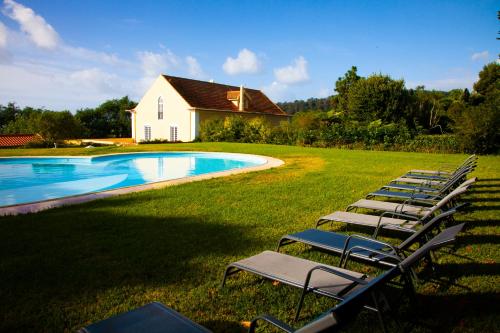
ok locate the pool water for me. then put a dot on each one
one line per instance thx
(26, 180)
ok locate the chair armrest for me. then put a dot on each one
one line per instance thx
(389, 255)
(334, 272)
(271, 320)
(347, 241)
(412, 217)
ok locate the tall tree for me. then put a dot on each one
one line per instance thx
(109, 119)
(343, 87)
(489, 79)
(377, 97)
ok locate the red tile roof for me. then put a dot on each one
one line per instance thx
(214, 96)
(15, 140)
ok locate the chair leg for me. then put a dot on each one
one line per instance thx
(299, 305)
(379, 313)
(230, 270)
(283, 241)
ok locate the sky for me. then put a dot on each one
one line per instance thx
(69, 54)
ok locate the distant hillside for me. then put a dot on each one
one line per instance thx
(317, 104)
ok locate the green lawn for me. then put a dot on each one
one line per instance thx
(65, 268)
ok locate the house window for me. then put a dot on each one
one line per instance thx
(173, 133)
(147, 133)
(160, 108)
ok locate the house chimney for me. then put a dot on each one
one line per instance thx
(241, 105)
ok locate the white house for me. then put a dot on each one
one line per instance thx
(173, 108)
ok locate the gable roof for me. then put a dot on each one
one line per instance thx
(15, 140)
(214, 96)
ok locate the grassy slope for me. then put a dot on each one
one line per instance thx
(65, 268)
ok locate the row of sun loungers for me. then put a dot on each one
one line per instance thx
(422, 203)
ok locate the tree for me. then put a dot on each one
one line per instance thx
(52, 126)
(8, 114)
(109, 119)
(478, 125)
(489, 79)
(56, 126)
(343, 86)
(377, 97)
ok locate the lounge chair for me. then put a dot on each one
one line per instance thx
(150, 318)
(333, 282)
(427, 187)
(362, 247)
(416, 195)
(439, 176)
(410, 207)
(393, 219)
(342, 314)
(471, 160)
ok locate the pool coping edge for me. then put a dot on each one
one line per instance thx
(38, 206)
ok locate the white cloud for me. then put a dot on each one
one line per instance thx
(3, 35)
(292, 74)
(95, 56)
(446, 84)
(194, 68)
(59, 89)
(277, 91)
(246, 62)
(96, 80)
(480, 56)
(324, 92)
(39, 31)
(153, 64)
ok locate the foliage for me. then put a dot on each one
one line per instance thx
(377, 97)
(50, 125)
(478, 127)
(8, 114)
(489, 79)
(316, 104)
(477, 123)
(109, 119)
(65, 268)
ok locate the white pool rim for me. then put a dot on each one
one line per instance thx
(33, 207)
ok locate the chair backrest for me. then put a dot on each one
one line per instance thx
(427, 227)
(445, 237)
(456, 192)
(346, 311)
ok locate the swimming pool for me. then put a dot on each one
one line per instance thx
(33, 179)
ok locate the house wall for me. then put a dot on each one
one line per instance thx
(175, 112)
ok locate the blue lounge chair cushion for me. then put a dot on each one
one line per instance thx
(150, 318)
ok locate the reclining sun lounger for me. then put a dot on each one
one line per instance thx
(391, 219)
(333, 282)
(466, 167)
(341, 315)
(471, 160)
(362, 247)
(426, 187)
(410, 207)
(402, 195)
(150, 318)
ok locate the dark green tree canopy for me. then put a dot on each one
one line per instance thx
(109, 119)
(489, 79)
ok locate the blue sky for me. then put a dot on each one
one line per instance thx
(73, 54)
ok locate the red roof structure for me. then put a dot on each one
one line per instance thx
(16, 140)
(217, 97)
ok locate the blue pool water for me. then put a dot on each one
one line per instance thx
(24, 180)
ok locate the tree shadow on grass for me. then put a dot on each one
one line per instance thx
(470, 224)
(58, 265)
(468, 239)
(454, 313)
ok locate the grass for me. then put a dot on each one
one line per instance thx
(68, 267)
